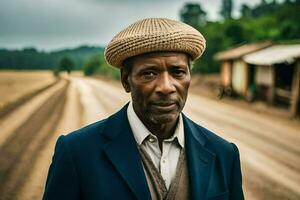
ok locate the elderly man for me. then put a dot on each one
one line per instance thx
(149, 149)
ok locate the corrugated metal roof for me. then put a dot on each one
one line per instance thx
(274, 55)
(240, 51)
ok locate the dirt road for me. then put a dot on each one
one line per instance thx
(269, 147)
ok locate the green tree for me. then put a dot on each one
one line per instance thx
(265, 7)
(215, 40)
(226, 9)
(246, 10)
(235, 32)
(66, 64)
(193, 14)
(92, 65)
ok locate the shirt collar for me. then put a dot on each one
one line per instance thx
(140, 131)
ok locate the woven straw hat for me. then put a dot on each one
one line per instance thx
(152, 35)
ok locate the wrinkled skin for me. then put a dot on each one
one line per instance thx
(159, 84)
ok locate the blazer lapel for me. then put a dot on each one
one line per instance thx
(200, 160)
(121, 150)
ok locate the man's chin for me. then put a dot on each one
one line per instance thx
(164, 118)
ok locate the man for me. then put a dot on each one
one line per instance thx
(149, 149)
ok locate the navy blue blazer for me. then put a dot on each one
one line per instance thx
(101, 161)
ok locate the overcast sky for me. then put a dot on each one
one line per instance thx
(55, 24)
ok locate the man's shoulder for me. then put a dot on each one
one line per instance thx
(212, 140)
(96, 130)
(87, 131)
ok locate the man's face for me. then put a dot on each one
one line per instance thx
(159, 84)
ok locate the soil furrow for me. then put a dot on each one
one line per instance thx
(20, 151)
(14, 105)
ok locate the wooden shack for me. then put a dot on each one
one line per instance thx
(235, 72)
(276, 75)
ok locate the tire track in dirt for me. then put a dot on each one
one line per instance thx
(272, 131)
(109, 96)
(280, 153)
(253, 136)
(261, 187)
(21, 149)
(92, 109)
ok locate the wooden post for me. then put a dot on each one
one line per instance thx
(295, 90)
(230, 73)
(246, 74)
(271, 92)
(226, 73)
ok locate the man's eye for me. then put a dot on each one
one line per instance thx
(148, 74)
(179, 73)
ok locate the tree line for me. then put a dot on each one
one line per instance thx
(31, 58)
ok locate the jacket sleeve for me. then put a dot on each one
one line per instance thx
(62, 180)
(236, 188)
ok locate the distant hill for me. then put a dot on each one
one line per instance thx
(30, 58)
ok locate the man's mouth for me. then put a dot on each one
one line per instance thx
(165, 106)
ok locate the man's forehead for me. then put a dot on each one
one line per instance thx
(161, 54)
(152, 57)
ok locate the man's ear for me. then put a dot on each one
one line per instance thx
(124, 79)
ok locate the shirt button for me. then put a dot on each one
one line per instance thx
(151, 140)
(164, 161)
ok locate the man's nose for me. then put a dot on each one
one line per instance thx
(165, 84)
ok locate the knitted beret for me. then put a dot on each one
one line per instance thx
(153, 35)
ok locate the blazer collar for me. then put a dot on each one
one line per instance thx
(200, 159)
(122, 152)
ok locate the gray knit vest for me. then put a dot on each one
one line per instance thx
(179, 188)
